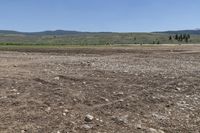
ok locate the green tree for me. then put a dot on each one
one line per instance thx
(170, 37)
(186, 39)
(188, 36)
(180, 38)
(176, 37)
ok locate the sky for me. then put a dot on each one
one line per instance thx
(99, 15)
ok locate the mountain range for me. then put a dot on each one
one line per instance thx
(192, 32)
(65, 32)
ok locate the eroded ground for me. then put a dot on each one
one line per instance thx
(126, 90)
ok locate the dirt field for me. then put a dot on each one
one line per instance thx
(100, 90)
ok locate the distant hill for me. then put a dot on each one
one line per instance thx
(9, 32)
(191, 32)
(92, 38)
(65, 32)
(56, 32)
(46, 33)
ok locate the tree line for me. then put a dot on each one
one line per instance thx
(180, 37)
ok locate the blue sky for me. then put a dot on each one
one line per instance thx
(99, 15)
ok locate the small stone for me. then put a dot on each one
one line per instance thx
(4, 97)
(178, 89)
(120, 93)
(139, 126)
(152, 130)
(57, 78)
(89, 118)
(126, 71)
(23, 131)
(93, 64)
(64, 114)
(86, 127)
(121, 119)
(121, 100)
(14, 90)
(58, 132)
(66, 111)
(48, 109)
(106, 100)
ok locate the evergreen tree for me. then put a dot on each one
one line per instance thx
(176, 37)
(188, 36)
(170, 37)
(186, 39)
(184, 36)
(180, 38)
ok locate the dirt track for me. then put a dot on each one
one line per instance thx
(126, 90)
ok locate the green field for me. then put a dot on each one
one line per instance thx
(92, 39)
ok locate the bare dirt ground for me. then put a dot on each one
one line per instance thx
(100, 90)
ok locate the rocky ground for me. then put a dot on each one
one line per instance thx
(100, 90)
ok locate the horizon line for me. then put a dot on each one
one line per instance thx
(53, 30)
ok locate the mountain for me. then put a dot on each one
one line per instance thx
(65, 32)
(192, 32)
(56, 32)
(9, 32)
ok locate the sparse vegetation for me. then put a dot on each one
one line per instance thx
(97, 39)
(181, 37)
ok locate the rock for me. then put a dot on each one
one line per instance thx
(178, 89)
(99, 120)
(152, 130)
(4, 97)
(48, 109)
(89, 118)
(125, 71)
(66, 111)
(14, 90)
(120, 93)
(139, 126)
(105, 99)
(57, 78)
(64, 114)
(121, 119)
(86, 127)
(93, 64)
(121, 100)
(23, 131)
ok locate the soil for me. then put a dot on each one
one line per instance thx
(100, 90)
